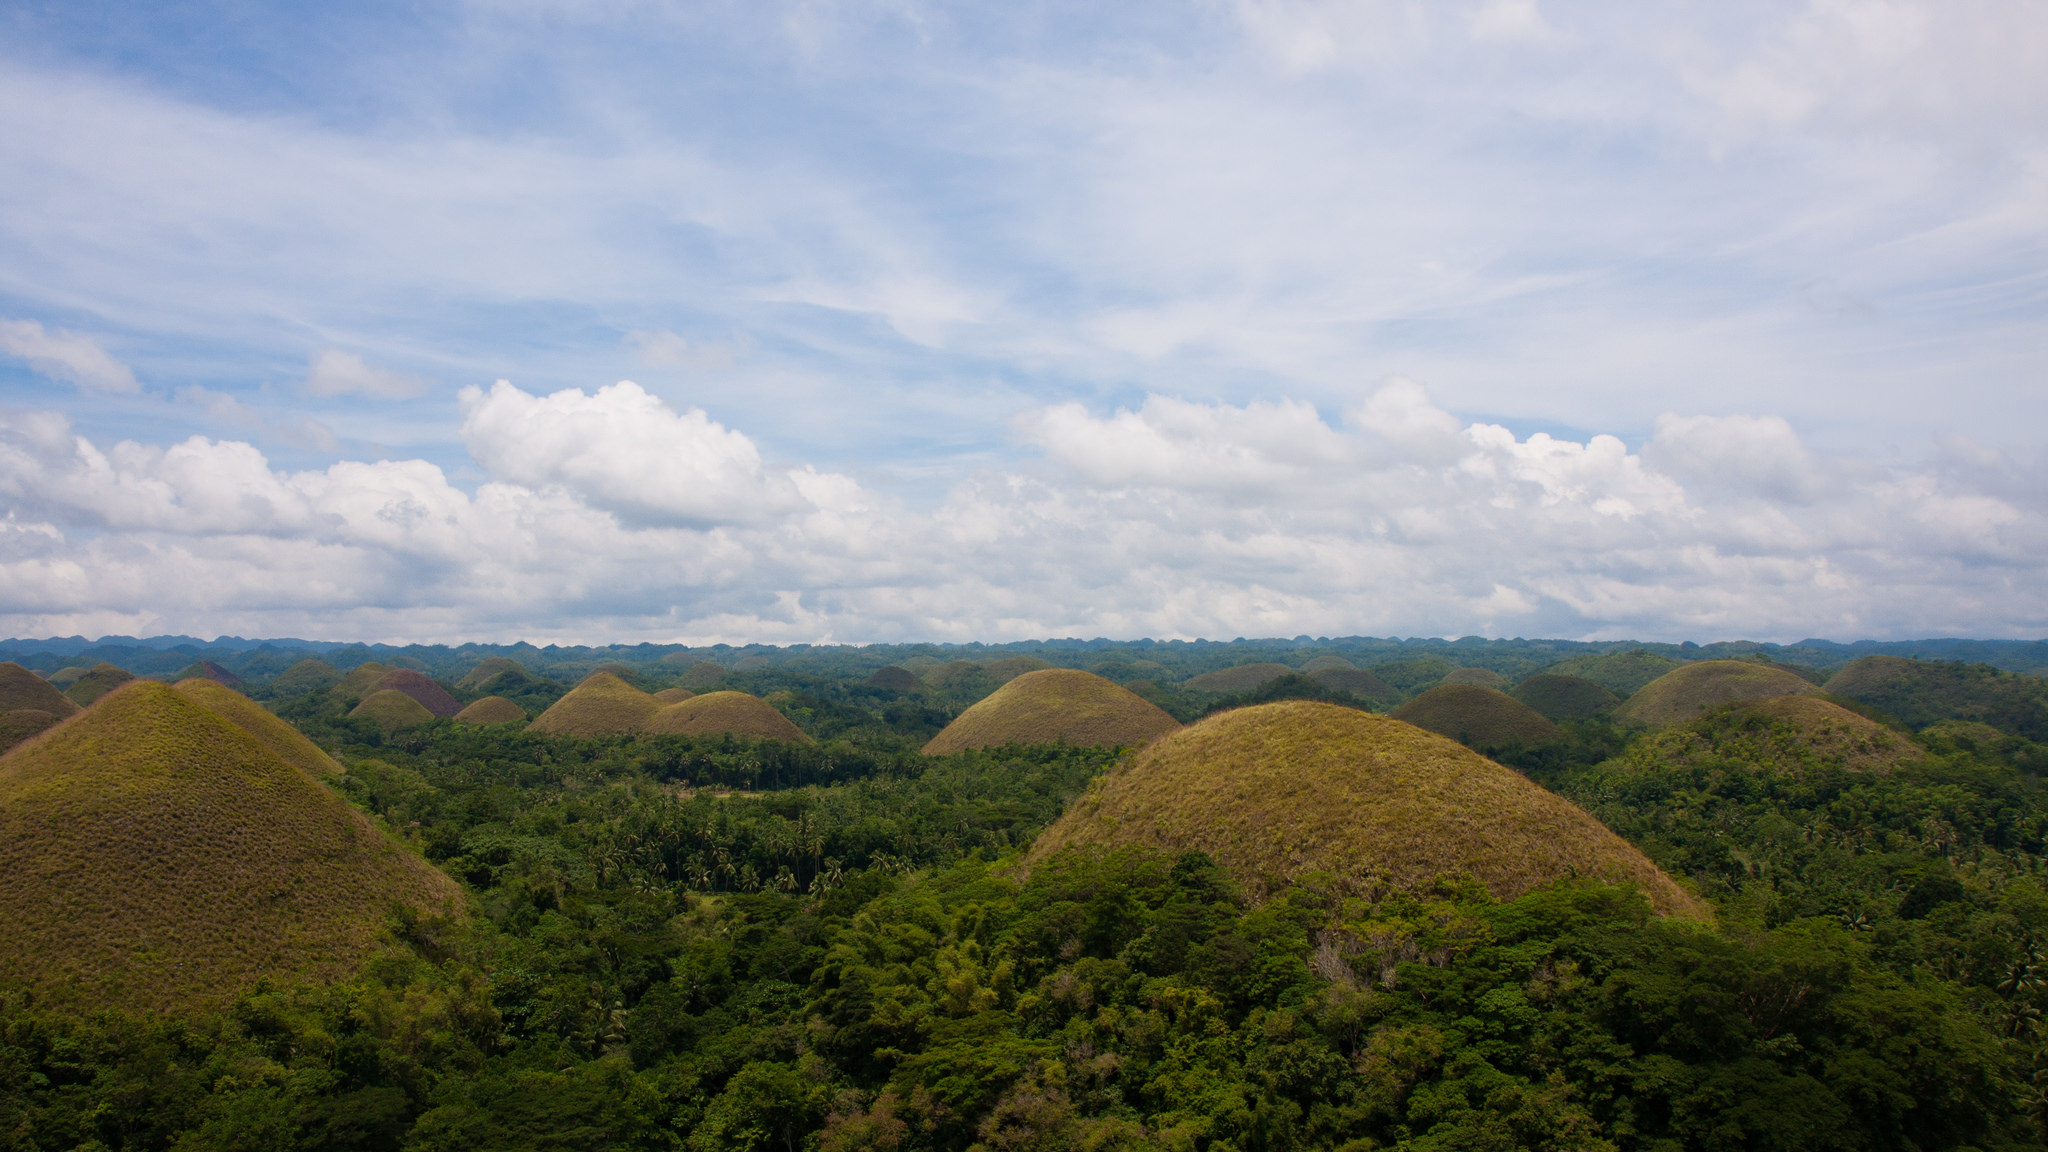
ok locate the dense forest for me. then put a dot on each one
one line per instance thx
(710, 942)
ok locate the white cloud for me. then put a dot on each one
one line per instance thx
(1511, 20)
(66, 356)
(332, 372)
(614, 516)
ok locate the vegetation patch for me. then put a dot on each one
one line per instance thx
(1279, 791)
(101, 679)
(1560, 697)
(1357, 682)
(391, 710)
(362, 680)
(487, 670)
(1408, 677)
(1484, 677)
(284, 741)
(1478, 717)
(301, 678)
(725, 713)
(1055, 706)
(896, 679)
(701, 675)
(1923, 692)
(602, 705)
(1622, 673)
(153, 854)
(1325, 663)
(491, 710)
(18, 724)
(21, 688)
(1242, 678)
(1692, 690)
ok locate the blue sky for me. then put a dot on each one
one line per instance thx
(986, 321)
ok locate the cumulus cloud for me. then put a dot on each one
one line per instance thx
(613, 515)
(332, 372)
(66, 356)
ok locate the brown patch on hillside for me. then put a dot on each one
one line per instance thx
(1692, 690)
(491, 710)
(21, 688)
(716, 713)
(603, 705)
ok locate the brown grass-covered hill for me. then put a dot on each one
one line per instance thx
(1010, 667)
(1691, 690)
(1242, 678)
(207, 669)
(283, 740)
(99, 680)
(1055, 706)
(487, 670)
(1484, 677)
(1357, 681)
(65, 677)
(1838, 735)
(701, 675)
(303, 677)
(155, 855)
(1791, 734)
(422, 688)
(391, 710)
(673, 695)
(1622, 673)
(1478, 717)
(1324, 663)
(18, 724)
(1565, 697)
(1277, 790)
(21, 688)
(717, 713)
(960, 678)
(491, 710)
(896, 679)
(602, 705)
(362, 680)
(1924, 692)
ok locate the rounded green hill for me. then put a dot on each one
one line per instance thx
(303, 677)
(362, 680)
(1325, 663)
(896, 679)
(603, 705)
(1356, 681)
(1055, 706)
(1010, 667)
(717, 713)
(155, 855)
(1838, 735)
(1478, 717)
(99, 680)
(1622, 673)
(21, 688)
(391, 710)
(491, 710)
(283, 740)
(1278, 790)
(701, 675)
(1565, 697)
(1691, 690)
(488, 669)
(1242, 678)
(1484, 677)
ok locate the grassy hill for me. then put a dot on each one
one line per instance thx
(600, 706)
(1484, 677)
(673, 695)
(1837, 735)
(1242, 678)
(1010, 667)
(209, 670)
(1278, 790)
(896, 679)
(1478, 717)
(301, 678)
(18, 724)
(1408, 677)
(716, 713)
(1691, 690)
(491, 710)
(1558, 697)
(1317, 664)
(420, 687)
(362, 680)
(476, 678)
(701, 675)
(23, 689)
(1622, 673)
(154, 854)
(1924, 692)
(1054, 706)
(391, 710)
(99, 680)
(1357, 681)
(283, 740)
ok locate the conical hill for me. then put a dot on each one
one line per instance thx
(153, 854)
(1357, 681)
(98, 680)
(1277, 790)
(209, 670)
(1691, 690)
(287, 742)
(391, 710)
(673, 695)
(362, 680)
(716, 713)
(1478, 717)
(602, 705)
(21, 688)
(1055, 706)
(305, 676)
(491, 710)
(422, 688)
(488, 669)
(1836, 734)
(1565, 697)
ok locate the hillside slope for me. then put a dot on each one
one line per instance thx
(1054, 706)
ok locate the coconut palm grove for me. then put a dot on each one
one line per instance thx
(1344, 893)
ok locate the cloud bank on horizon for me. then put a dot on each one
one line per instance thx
(961, 321)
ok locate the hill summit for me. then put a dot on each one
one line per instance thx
(155, 854)
(1691, 690)
(1055, 706)
(1277, 790)
(1477, 716)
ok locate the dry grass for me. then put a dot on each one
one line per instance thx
(422, 688)
(1484, 677)
(18, 724)
(283, 740)
(207, 669)
(673, 695)
(701, 675)
(1477, 717)
(21, 688)
(480, 675)
(1838, 735)
(1356, 681)
(391, 710)
(896, 679)
(303, 677)
(362, 680)
(97, 682)
(1278, 790)
(1690, 691)
(1011, 667)
(1055, 706)
(1565, 697)
(491, 710)
(716, 713)
(602, 705)
(1242, 678)
(155, 855)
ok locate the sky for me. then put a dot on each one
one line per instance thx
(822, 321)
